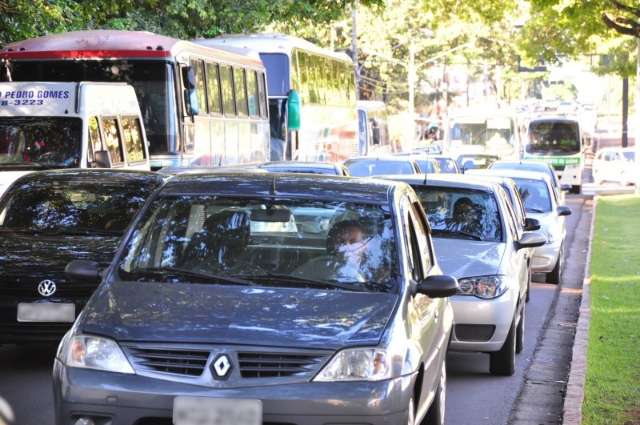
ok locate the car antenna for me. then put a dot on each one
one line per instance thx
(425, 179)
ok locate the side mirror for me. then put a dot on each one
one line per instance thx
(83, 270)
(531, 240)
(190, 94)
(565, 187)
(531, 224)
(564, 211)
(438, 286)
(293, 106)
(101, 159)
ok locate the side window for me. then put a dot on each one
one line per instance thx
(226, 83)
(263, 95)
(512, 221)
(134, 144)
(112, 140)
(95, 139)
(423, 238)
(213, 88)
(198, 69)
(241, 92)
(252, 92)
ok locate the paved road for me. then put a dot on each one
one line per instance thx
(474, 396)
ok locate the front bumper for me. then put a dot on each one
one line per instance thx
(545, 257)
(492, 318)
(136, 400)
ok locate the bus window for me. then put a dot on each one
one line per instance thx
(133, 139)
(263, 95)
(113, 140)
(252, 91)
(95, 140)
(226, 83)
(198, 70)
(213, 83)
(241, 92)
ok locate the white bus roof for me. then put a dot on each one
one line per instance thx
(113, 44)
(272, 43)
(63, 99)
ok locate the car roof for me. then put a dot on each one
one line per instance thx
(444, 180)
(520, 174)
(299, 165)
(389, 158)
(541, 165)
(99, 175)
(283, 185)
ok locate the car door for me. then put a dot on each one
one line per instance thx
(427, 312)
(517, 260)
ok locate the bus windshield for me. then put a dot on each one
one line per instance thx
(553, 138)
(36, 142)
(152, 81)
(483, 132)
(277, 66)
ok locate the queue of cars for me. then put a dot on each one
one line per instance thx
(260, 294)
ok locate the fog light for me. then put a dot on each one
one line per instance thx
(84, 421)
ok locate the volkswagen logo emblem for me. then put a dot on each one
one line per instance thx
(221, 367)
(46, 288)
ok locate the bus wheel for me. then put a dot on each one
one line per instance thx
(577, 189)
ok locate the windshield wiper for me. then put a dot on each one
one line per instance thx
(189, 274)
(275, 278)
(454, 233)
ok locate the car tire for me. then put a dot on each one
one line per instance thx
(503, 362)
(556, 274)
(436, 413)
(520, 331)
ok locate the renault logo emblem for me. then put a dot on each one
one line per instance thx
(221, 367)
(46, 288)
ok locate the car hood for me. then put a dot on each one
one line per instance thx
(465, 258)
(206, 313)
(8, 177)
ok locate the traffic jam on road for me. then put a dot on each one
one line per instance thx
(321, 277)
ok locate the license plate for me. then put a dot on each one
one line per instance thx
(46, 312)
(216, 411)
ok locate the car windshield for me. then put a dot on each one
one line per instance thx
(36, 142)
(475, 162)
(73, 206)
(629, 156)
(288, 243)
(426, 166)
(447, 165)
(377, 167)
(535, 195)
(553, 137)
(461, 213)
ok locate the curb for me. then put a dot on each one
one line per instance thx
(572, 411)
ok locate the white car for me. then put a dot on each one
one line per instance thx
(615, 165)
(537, 166)
(541, 202)
(478, 241)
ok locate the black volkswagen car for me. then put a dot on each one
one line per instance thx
(48, 219)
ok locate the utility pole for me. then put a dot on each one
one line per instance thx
(411, 80)
(625, 111)
(354, 46)
(637, 135)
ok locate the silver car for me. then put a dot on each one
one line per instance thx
(541, 202)
(477, 240)
(252, 299)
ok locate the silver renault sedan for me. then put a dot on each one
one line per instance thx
(477, 240)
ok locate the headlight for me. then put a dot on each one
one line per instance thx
(92, 352)
(358, 364)
(485, 287)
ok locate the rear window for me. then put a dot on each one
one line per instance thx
(364, 168)
(73, 207)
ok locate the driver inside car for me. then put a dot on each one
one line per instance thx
(465, 217)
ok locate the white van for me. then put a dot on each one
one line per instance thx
(69, 125)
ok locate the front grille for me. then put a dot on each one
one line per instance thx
(25, 331)
(181, 362)
(272, 365)
(474, 333)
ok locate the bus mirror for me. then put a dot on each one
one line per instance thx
(188, 78)
(101, 159)
(190, 94)
(192, 102)
(375, 135)
(293, 106)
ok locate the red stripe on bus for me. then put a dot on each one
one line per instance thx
(85, 54)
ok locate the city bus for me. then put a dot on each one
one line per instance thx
(557, 140)
(483, 133)
(312, 96)
(201, 106)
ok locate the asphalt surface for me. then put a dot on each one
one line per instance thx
(474, 396)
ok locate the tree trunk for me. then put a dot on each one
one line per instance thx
(625, 111)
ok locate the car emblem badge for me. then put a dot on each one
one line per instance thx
(46, 288)
(221, 367)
